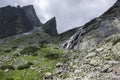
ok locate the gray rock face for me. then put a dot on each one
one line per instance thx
(94, 32)
(50, 27)
(16, 20)
(31, 14)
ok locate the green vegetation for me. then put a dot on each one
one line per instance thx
(116, 41)
(2, 75)
(26, 66)
(10, 67)
(29, 50)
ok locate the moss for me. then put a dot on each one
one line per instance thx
(116, 41)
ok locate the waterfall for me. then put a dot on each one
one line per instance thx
(74, 41)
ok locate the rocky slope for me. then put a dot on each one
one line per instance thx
(16, 20)
(94, 48)
(95, 31)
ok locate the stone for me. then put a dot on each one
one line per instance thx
(94, 62)
(59, 64)
(90, 55)
(106, 69)
(59, 71)
(99, 49)
(47, 75)
(117, 70)
(113, 62)
(6, 70)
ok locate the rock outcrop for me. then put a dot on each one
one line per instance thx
(50, 27)
(16, 20)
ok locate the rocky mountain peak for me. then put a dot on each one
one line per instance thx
(31, 14)
(50, 27)
(16, 20)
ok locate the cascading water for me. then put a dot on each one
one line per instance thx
(73, 42)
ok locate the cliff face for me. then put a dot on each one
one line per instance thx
(31, 14)
(97, 30)
(50, 27)
(16, 20)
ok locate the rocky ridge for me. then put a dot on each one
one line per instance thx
(94, 48)
(16, 20)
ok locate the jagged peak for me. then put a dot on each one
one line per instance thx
(50, 27)
(28, 6)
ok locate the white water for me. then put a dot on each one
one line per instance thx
(68, 43)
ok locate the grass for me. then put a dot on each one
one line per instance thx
(44, 62)
(2, 75)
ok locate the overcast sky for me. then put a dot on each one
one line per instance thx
(68, 13)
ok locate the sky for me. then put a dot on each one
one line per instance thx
(68, 13)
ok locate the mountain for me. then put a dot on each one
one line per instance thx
(50, 27)
(94, 49)
(88, 52)
(95, 31)
(16, 20)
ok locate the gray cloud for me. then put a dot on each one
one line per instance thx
(69, 13)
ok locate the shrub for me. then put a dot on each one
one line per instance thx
(7, 67)
(29, 50)
(10, 79)
(29, 63)
(34, 54)
(52, 56)
(7, 50)
(116, 41)
(14, 47)
(25, 66)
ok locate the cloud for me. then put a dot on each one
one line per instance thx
(69, 13)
